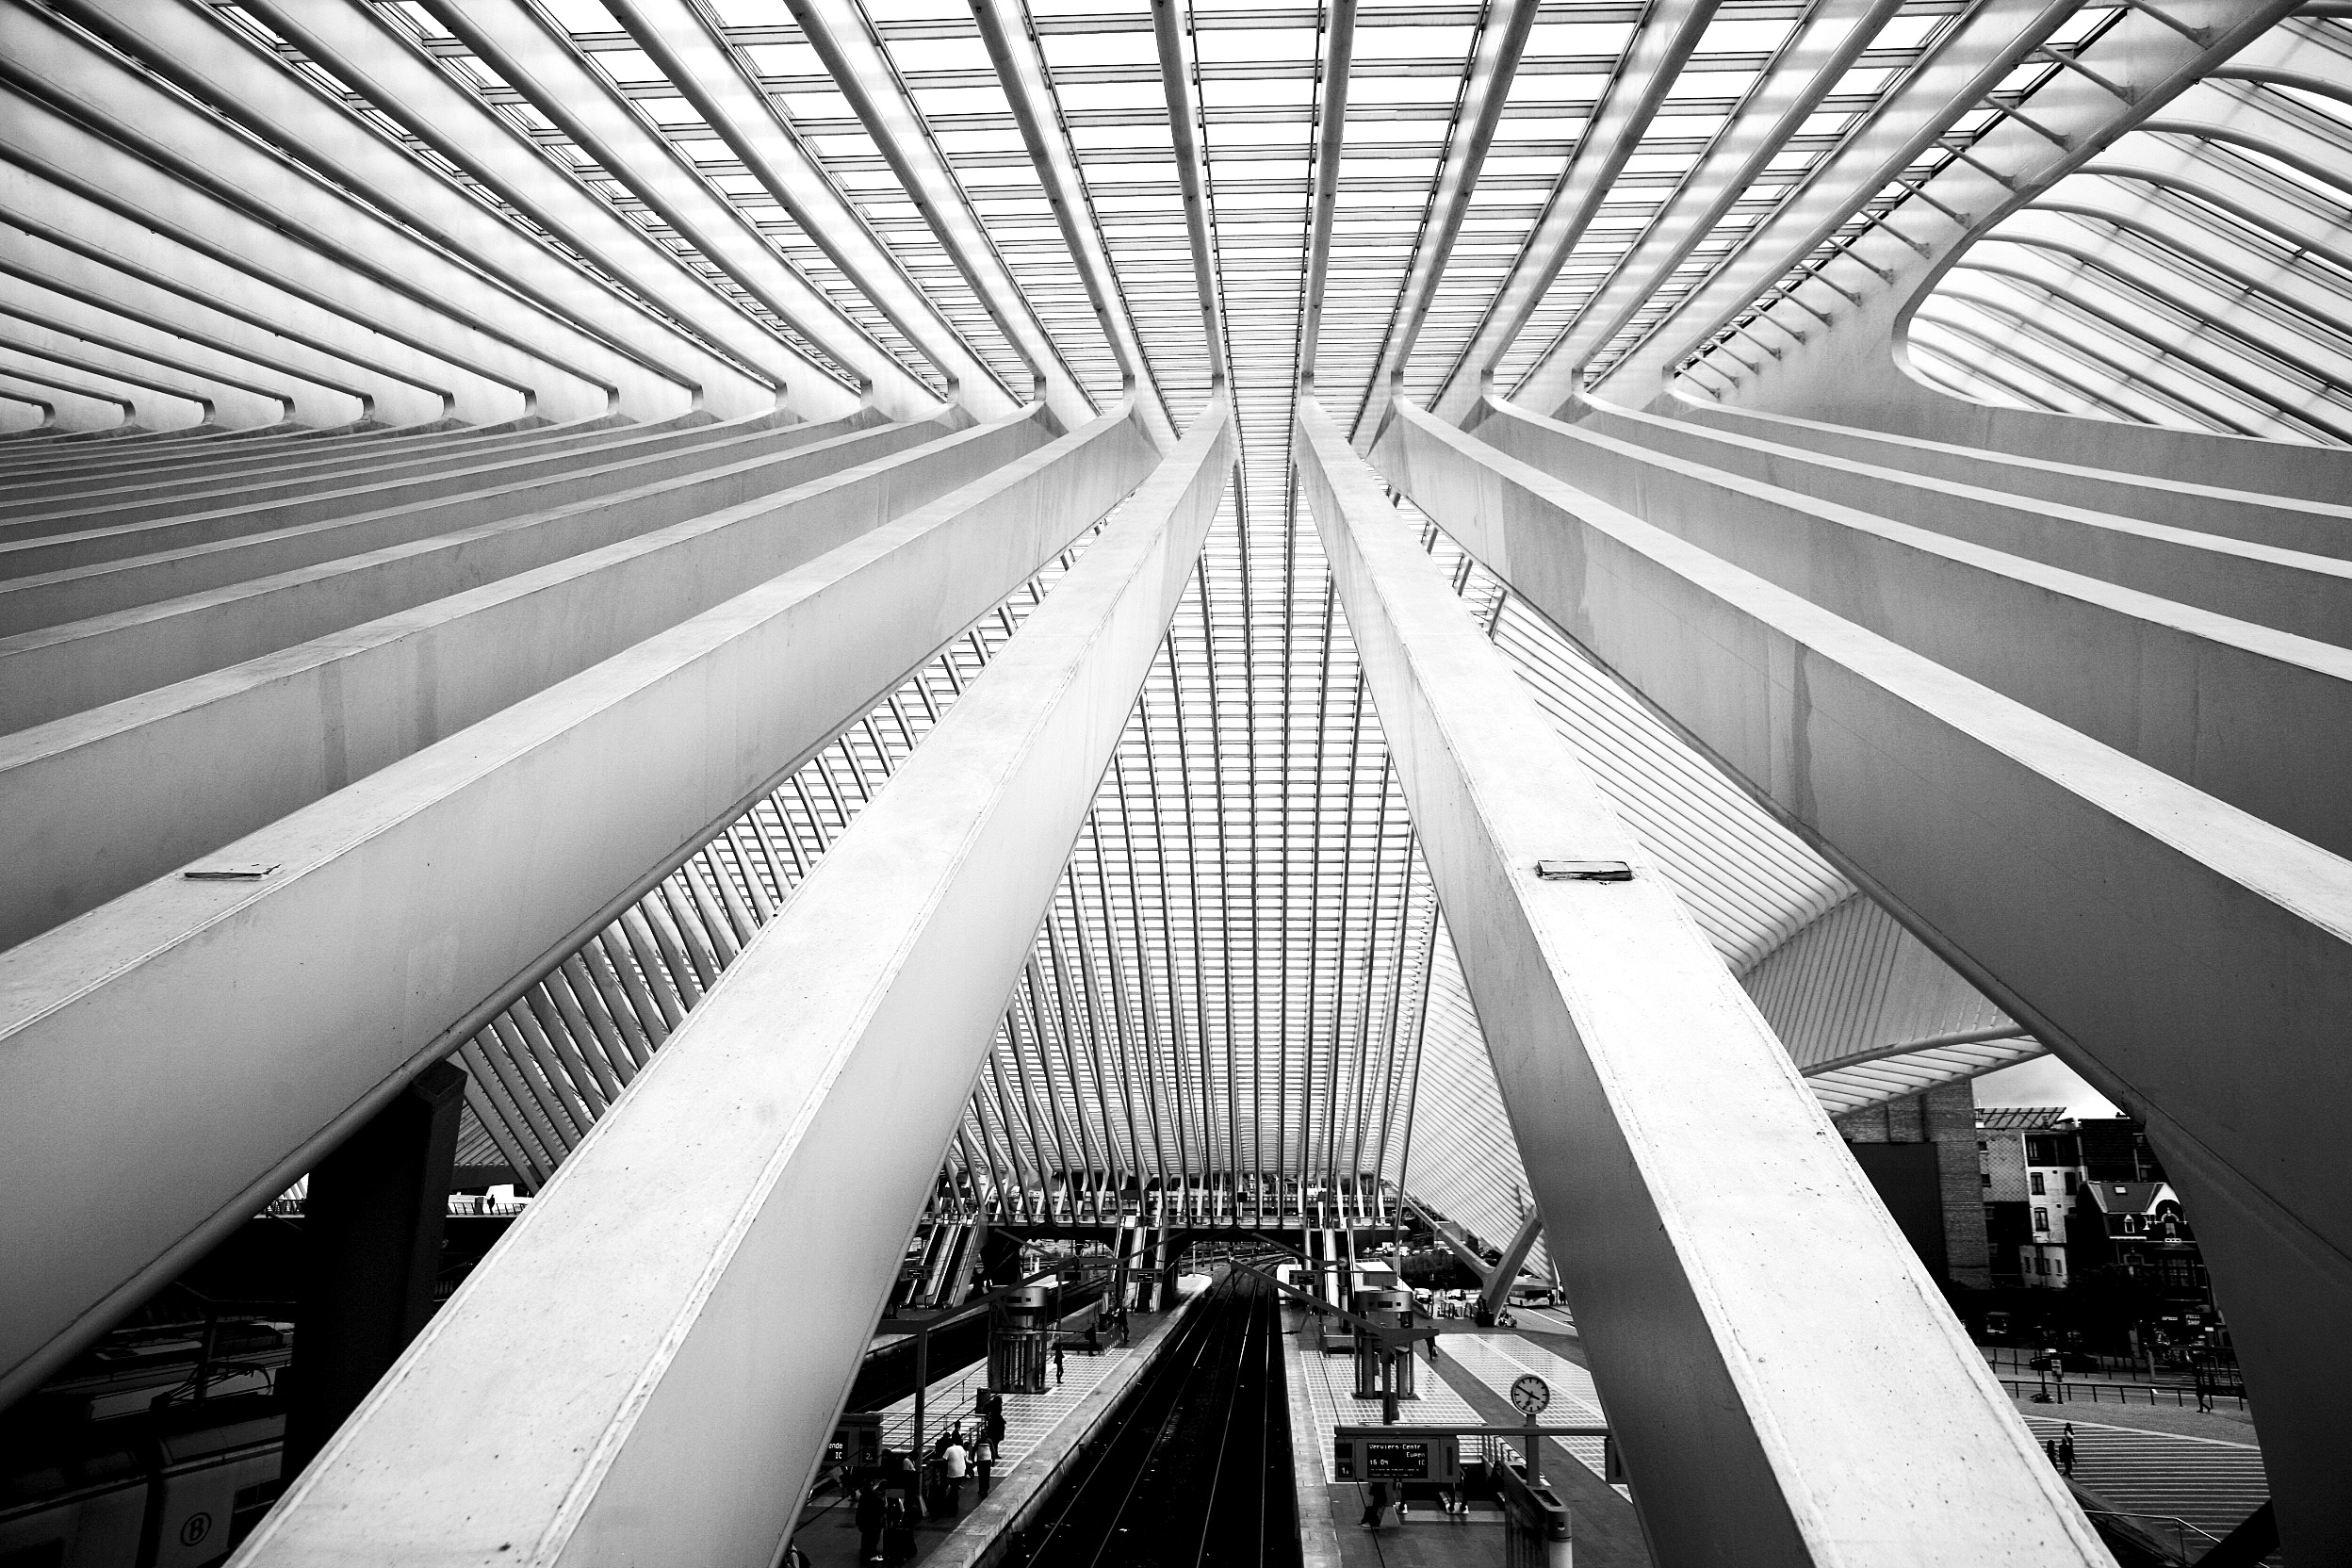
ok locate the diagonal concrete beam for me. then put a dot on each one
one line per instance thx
(236, 1030)
(1505, 1272)
(1769, 1384)
(97, 803)
(2192, 960)
(619, 1363)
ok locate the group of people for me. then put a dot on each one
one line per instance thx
(2061, 1450)
(887, 1501)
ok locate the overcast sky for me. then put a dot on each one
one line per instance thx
(2042, 1081)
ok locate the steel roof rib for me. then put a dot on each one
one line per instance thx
(1006, 29)
(2085, 380)
(1668, 35)
(1493, 65)
(863, 70)
(530, 54)
(682, 39)
(1969, 60)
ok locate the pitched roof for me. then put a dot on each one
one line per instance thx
(2125, 1197)
(2018, 1119)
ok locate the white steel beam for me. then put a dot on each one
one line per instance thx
(1012, 43)
(844, 40)
(337, 258)
(620, 1363)
(1494, 64)
(683, 39)
(531, 54)
(1982, 46)
(57, 327)
(234, 1030)
(75, 77)
(1668, 31)
(137, 240)
(1802, 74)
(1782, 1395)
(220, 63)
(98, 295)
(1850, 370)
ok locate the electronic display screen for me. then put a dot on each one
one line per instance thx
(1396, 1462)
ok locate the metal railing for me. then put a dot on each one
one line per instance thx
(2060, 1392)
(2162, 1530)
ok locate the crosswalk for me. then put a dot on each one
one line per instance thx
(2209, 1483)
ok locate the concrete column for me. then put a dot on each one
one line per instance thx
(372, 1223)
(1783, 1392)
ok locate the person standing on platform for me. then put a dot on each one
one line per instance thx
(2066, 1451)
(1376, 1505)
(870, 1515)
(982, 1460)
(1057, 1366)
(898, 1533)
(954, 1463)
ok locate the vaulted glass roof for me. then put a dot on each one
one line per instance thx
(1245, 973)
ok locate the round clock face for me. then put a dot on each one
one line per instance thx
(1531, 1393)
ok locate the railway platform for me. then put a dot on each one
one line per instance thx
(1469, 1383)
(1042, 1430)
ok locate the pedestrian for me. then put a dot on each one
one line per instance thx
(953, 1465)
(982, 1460)
(898, 1533)
(1057, 1364)
(1375, 1507)
(995, 1433)
(870, 1515)
(2065, 1451)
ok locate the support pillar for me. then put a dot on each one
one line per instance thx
(372, 1223)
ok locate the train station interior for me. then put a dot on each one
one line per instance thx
(1100, 782)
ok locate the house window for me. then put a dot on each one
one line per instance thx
(2038, 1188)
(2130, 1224)
(2041, 1265)
(2041, 1219)
(2069, 1184)
(1985, 1178)
(2058, 1266)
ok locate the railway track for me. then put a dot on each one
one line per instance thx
(1196, 1469)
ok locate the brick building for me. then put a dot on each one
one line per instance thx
(1920, 1152)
